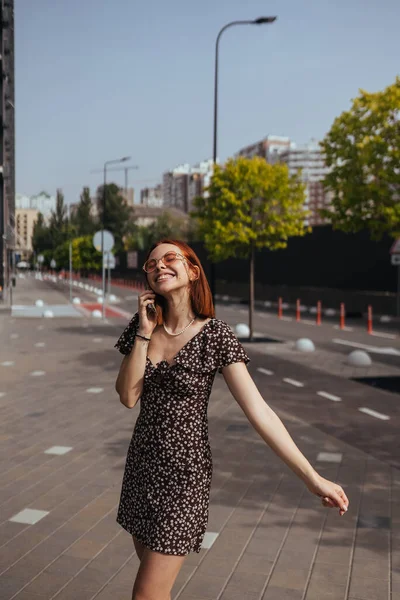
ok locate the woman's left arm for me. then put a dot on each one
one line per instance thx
(269, 426)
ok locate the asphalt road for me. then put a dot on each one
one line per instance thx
(295, 390)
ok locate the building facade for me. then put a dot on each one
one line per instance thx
(25, 219)
(309, 159)
(43, 203)
(184, 183)
(7, 149)
(152, 196)
(269, 148)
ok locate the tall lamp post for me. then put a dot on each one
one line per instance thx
(259, 21)
(103, 224)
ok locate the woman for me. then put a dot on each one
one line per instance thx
(174, 346)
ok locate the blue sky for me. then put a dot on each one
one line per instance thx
(96, 80)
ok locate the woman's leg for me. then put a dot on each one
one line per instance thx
(138, 547)
(156, 575)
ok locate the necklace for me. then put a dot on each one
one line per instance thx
(179, 332)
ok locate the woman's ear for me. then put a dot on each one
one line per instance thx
(194, 273)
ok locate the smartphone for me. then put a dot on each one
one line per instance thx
(150, 307)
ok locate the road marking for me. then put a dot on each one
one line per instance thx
(58, 450)
(243, 311)
(262, 315)
(375, 414)
(376, 349)
(345, 328)
(329, 396)
(306, 322)
(286, 319)
(38, 373)
(29, 516)
(7, 363)
(2, 394)
(209, 539)
(94, 390)
(293, 382)
(332, 457)
(389, 336)
(40, 344)
(97, 340)
(14, 336)
(265, 371)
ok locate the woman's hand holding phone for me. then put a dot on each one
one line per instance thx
(147, 313)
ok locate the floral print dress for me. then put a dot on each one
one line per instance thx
(166, 484)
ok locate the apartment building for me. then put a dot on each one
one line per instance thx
(25, 219)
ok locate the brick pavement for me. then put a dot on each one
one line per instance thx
(274, 539)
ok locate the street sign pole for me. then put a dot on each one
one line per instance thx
(103, 276)
(398, 291)
(103, 241)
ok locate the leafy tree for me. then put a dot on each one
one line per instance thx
(58, 224)
(362, 150)
(118, 216)
(41, 239)
(251, 204)
(83, 219)
(84, 255)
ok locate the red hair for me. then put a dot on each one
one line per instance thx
(200, 293)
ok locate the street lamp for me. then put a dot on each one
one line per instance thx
(103, 271)
(259, 21)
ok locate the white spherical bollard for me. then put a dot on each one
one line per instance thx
(96, 314)
(385, 319)
(304, 345)
(39, 303)
(86, 286)
(100, 299)
(80, 284)
(242, 330)
(359, 358)
(76, 300)
(48, 314)
(113, 298)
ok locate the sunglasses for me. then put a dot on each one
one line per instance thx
(168, 259)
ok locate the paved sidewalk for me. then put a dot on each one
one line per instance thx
(269, 538)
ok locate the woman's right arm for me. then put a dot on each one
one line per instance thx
(129, 384)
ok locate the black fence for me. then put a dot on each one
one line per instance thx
(325, 265)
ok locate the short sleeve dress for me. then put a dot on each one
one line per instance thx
(166, 484)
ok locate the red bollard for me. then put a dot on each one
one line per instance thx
(298, 310)
(342, 315)
(279, 308)
(369, 319)
(318, 313)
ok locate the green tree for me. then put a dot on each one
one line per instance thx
(83, 219)
(362, 151)
(58, 224)
(118, 216)
(251, 204)
(84, 255)
(41, 238)
(167, 225)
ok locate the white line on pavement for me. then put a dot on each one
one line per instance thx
(265, 371)
(389, 336)
(375, 414)
(293, 382)
(329, 396)
(376, 349)
(286, 319)
(345, 328)
(307, 322)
